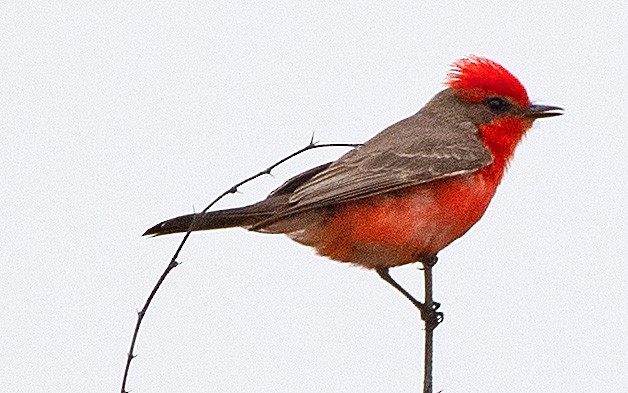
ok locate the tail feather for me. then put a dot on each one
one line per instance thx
(246, 216)
(229, 218)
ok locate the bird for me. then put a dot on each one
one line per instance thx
(408, 192)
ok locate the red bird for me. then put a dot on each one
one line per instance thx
(410, 191)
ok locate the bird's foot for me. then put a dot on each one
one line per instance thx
(431, 316)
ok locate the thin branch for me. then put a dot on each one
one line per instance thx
(173, 261)
(432, 318)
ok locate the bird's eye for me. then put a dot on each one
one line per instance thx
(497, 105)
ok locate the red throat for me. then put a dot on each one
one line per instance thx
(502, 137)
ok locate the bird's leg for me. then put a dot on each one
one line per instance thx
(385, 275)
(428, 309)
(428, 314)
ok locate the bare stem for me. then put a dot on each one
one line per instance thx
(173, 261)
(432, 318)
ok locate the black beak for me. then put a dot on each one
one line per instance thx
(538, 111)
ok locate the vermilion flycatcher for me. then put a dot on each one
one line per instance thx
(408, 192)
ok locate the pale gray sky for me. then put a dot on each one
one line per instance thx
(116, 115)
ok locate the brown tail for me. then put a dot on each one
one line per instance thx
(229, 218)
(245, 216)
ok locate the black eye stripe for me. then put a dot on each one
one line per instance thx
(497, 105)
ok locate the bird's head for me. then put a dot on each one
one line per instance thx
(496, 102)
(483, 82)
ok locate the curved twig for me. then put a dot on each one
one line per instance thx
(173, 261)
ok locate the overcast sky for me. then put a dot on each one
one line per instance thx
(116, 115)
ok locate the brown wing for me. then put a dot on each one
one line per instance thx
(374, 168)
(427, 146)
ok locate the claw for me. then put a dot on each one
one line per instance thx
(432, 318)
(440, 317)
